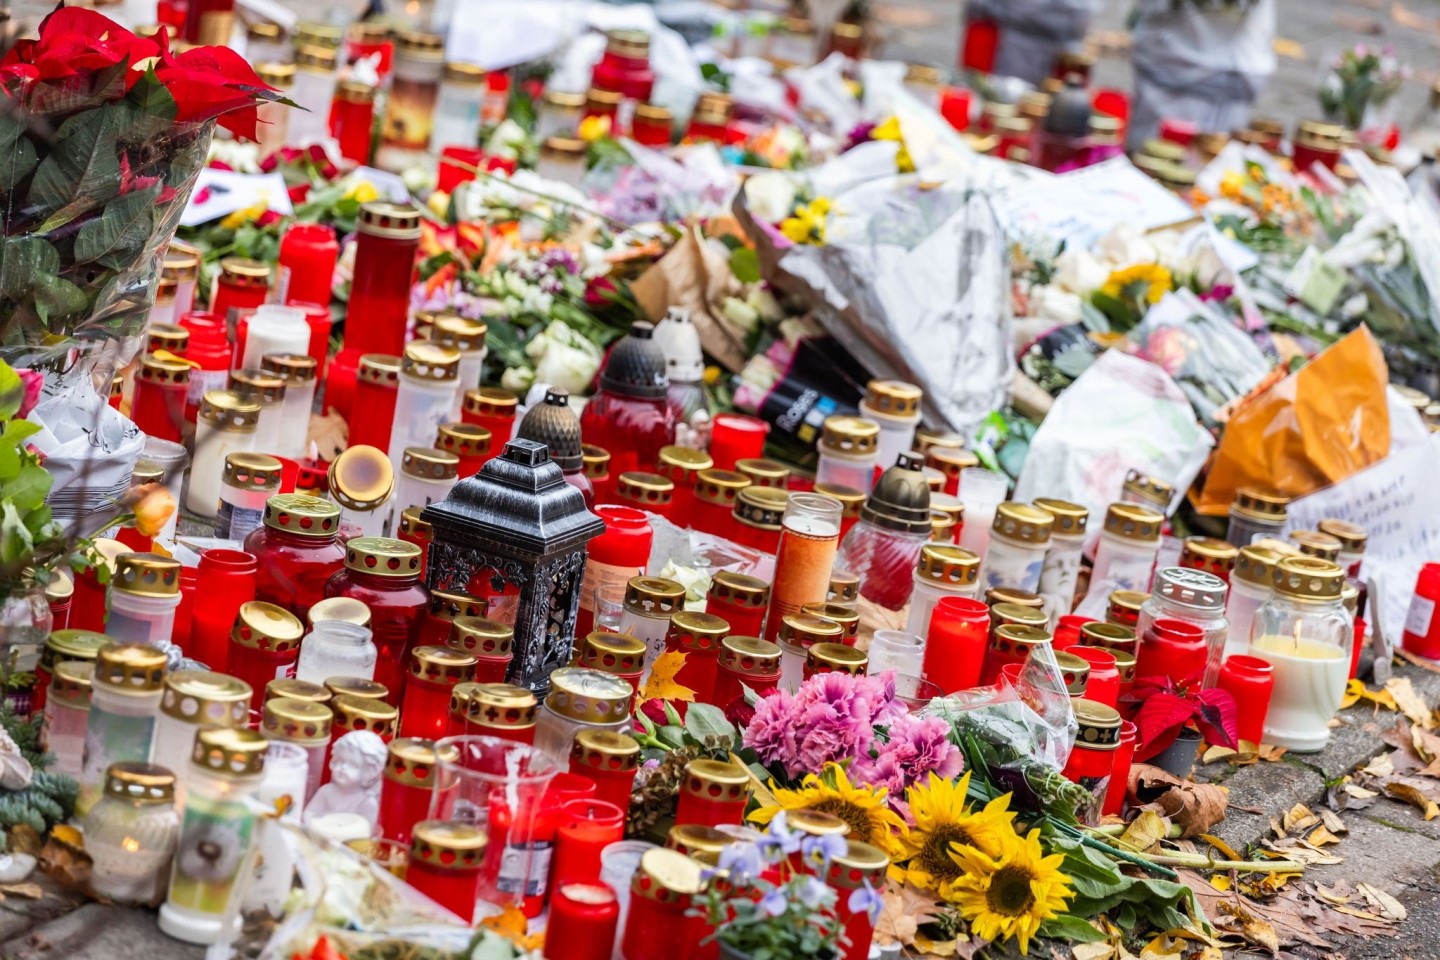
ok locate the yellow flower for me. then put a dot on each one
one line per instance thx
(594, 128)
(239, 218)
(153, 508)
(1232, 185)
(1012, 894)
(808, 223)
(438, 202)
(863, 808)
(890, 130)
(1156, 278)
(362, 191)
(943, 821)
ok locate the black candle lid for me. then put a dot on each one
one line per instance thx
(636, 367)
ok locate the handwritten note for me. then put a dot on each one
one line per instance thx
(221, 192)
(1397, 501)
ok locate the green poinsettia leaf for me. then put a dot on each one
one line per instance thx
(151, 96)
(117, 237)
(58, 297)
(29, 489)
(17, 431)
(82, 172)
(22, 260)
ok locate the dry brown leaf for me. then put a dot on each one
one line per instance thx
(1332, 895)
(905, 907)
(1382, 902)
(1333, 822)
(65, 863)
(1412, 795)
(1412, 21)
(1194, 807)
(1212, 754)
(25, 839)
(1381, 766)
(1093, 951)
(1145, 831)
(1289, 49)
(1321, 835)
(1252, 927)
(1271, 753)
(28, 891)
(1361, 914)
(1299, 818)
(1410, 703)
(1359, 792)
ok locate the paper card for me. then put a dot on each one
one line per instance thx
(1398, 503)
(222, 192)
(1314, 281)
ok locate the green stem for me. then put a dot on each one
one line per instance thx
(1201, 862)
(471, 168)
(1116, 829)
(1139, 860)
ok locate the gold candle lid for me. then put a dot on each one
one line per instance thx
(1150, 489)
(717, 780)
(590, 696)
(1350, 596)
(761, 506)
(292, 367)
(384, 218)
(696, 838)
(1015, 640)
(1133, 521)
(460, 700)
(691, 632)
(431, 362)
(448, 605)
(64, 645)
(359, 687)
(293, 689)
(229, 411)
(411, 761)
(1256, 564)
(948, 566)
(310, 33)
(146, 575)
(942, 527)
(230, 751)
(302, 515)
(72, 682)
(1352, 536)
(442, 665)
(466, 74)
(142, 784)
(1125, 663)
(1308, 578)
(463, 440)
(1108, 636)
(617, 653)
(927, 439)
(163, 372)
(487, 639)
(1070, 518)
(462, 333)
(490, 402)
(804, 630)
(354, 91)
(950, 460)
(264, 388)
(814, 823)
(653, 113)
(1315, 543)
(646, 490)
(749, 656)
(654, 597)
(1017, 614)
(844, 587)
(934, 480)
(245, 272)
(448, 845)
(180, 266)
(382, 557)
(893, 398)
(205, 697)
(739, 589)
(382, 369)
(1099, 725)
(1261, 504)
(851, 500)
(1074, 672)
(502, 706)
(850, 436)
(1209, 554)
(764, 473)
(428, 463)
(412, 525)
(846, 616)
(296, 721)
(252, 471)
(836, 657)
(859, 863)
(596, 461)
(1023, 522)
(606, 751)
(720, 487)
(681, 464)
(667, 876)
(266, 626)
(419, 42)
(363, 713)
(1021, 598)
(343, 609)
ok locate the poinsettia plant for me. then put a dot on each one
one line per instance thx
(1167, 707)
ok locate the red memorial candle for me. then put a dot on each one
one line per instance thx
(955, 649)
(609, 758)
(1251, 681)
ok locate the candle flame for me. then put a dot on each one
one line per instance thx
(1296, 636)
(130, 844)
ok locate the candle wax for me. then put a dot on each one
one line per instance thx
(1309, 683)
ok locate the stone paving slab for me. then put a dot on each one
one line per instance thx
(99, 932)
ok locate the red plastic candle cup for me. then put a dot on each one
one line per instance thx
(289, 474)
(211, 350)
(567, 786)
(1067, 631)
(860, 864)
(740, 601)
(1172, 648)
(434, 673)
(621, 552)
(490, 641)
(697, 636)
(340, 381)
(451, 175)
(1093, 757)
(734, 436)
(609, 759)
(308, 253)
(1010, 674)
(225, 579)
(406, 788)
(352, 119)
(185, 612)
(1120, 772)
(658, 925)
(446, 861)
(317, 317)
(955, 107)
(264, 645)
(584, 828)
(1172, 129)
(1103, 683)
(386, 241)
(1355, 648)
(158, 404)
(58, 595)
(372, 414)
(745, 661)
(955, 648)
(583, 921)
(979, 44)
(713, 792)
(1251, 681)
(1422, 628)
(241, 286)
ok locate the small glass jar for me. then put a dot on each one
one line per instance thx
(158, 404)
(1093, 757)
(131, 834)
(1196, 597)
(504, 711)
(1256, 513)
(372, 415)
(956, 642)
(407, 785)
(217, 835)
(943, 571)
(227, 423)
(410, 109)
(1215, 557)
(193, 699)
(335, 648)
(434, 673)
(1305, 633)
(124, 709)
(562, 159)
(658, 920)
(362, 481)
(650, 602)
(144, 592)
(352, 119)
(713, 792)
(67, 715)
(898, 651)
(1352, 539)
(457, 108)
(267, 390)
(615, 653)
(1009, 643)
(387, 240)
(884, 547)
(1019, 538)
(298, 371)
(241, 285)
(757, 520)
(428, 376)
(804, 558)
(1061, 573)
(384, 574)
(610, 759)
(580, 699)
(306, 724)
(697, 636)
(426, 476)
(894, 406)
(494, 409)
(264, 645)
(1125, 556)
(849, 450)
(739, 600)
(1250, 586)
(833, 658)
(60, 646)
(298, 549)
(313, 90)
(491, 642)
(745, 661)
(249, 480)
(167, 336)
(799, 632)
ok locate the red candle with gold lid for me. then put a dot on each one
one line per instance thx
(490, 641)
(610, 759)
(434, 672)
(1109, 636)
(758, 518)
(1124, 607)
(412, 529)
(745, 661)
(715, 492)
(445, 863)
(407, 784)
(494, 409)
(713, 792)
(1209, 554)
(445, 607)
(358, 687)
(616, 653)
(384, 574)
(834, 658)
(502, 710)
(697, 636)
(646, 491)
(1093, 756)
(740, 601)
(658, 925)
(681, 465)
(158, 405)
(264, 645)
(596, 466)
(846, 617)
(459, 712)
(1009, 643)
(363, 713)
(470, 442)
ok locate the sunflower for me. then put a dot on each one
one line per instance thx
(1012, 894)
(863, 808)
(942, 820)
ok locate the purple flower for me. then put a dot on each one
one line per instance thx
(865, 899)
(773, 904)
(812, 892)
(742, 862)
(822, 849)
(779, 840)
(922, 746)
(772, 733)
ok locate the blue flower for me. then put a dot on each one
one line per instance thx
(822, 849)
(865, 899)
(742, 862)
(773, 904)
(779, 840)
(811, 892)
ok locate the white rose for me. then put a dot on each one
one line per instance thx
(502, 141)
(763, 302)
(570, 360)
(517, 379)
(770, 196)
(740, 313)
(1052, 303)
(1079, 272)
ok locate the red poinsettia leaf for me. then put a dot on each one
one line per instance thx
(1217, 716)
(1158, 721)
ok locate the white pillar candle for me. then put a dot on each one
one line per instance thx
(1309, 682)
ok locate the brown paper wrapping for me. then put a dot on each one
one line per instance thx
(693, 276)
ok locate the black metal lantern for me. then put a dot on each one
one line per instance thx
(515, 534)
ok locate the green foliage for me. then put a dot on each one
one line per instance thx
(1128, 901)
(50, 798)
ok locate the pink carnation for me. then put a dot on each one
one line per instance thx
(771, 734)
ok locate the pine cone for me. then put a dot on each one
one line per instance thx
(655, 799)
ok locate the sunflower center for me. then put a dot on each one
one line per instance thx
(861, 826)
(935, 855)
(1010, 892)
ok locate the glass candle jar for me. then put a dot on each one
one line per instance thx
(406, 785)
(503, 711)
(60, 646)
(384, 574)
(298, 371)
(745, 661)
(1172, 648)
(1009, 643)
(264, 645)
(943, 571)
(387, 240)
(739, 600)
(168, 336)
(808, 542)
(489, 641)
(297, 548)
(658, 920)
(193, 699)
(797, 634)
(956, 643)
(697, 636)
(227, 423)
(894, 407)
(1250, 586)
(1074, 672)
(897, 651)
(267, 390)
(1147, 490)
(610, 759)
(130, 834)
(372, 416)
(158, 405)
(335, 648)
(682, 465)
(1061, 572)
(884, 547)
(1304, 632)
(1215, 557)
(848, 451)
(217, 835)
(494, 409)
(428, 375)
(241, 285)
(615, 653)
(1194, 596)
(124, 707)
(833, 658)
(297, 690)
(615, 557)
(457, 108)
(1126, 552)
(713, 792)
(1093, 757)
(410, 109)
(144, 592)
(434, 672)
(562, 159)
(652, 125)
(248, 480)
(580, 699)
(756, 521)
(1256, 513)
(631, 415)
(67, 715)
(650, 602)
(341, 609)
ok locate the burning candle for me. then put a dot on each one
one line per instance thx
(810, 535)
(583, 918)
(583, 828)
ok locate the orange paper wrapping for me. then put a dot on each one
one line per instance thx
(1316, 427)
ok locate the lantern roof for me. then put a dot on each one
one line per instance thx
(521, 501)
